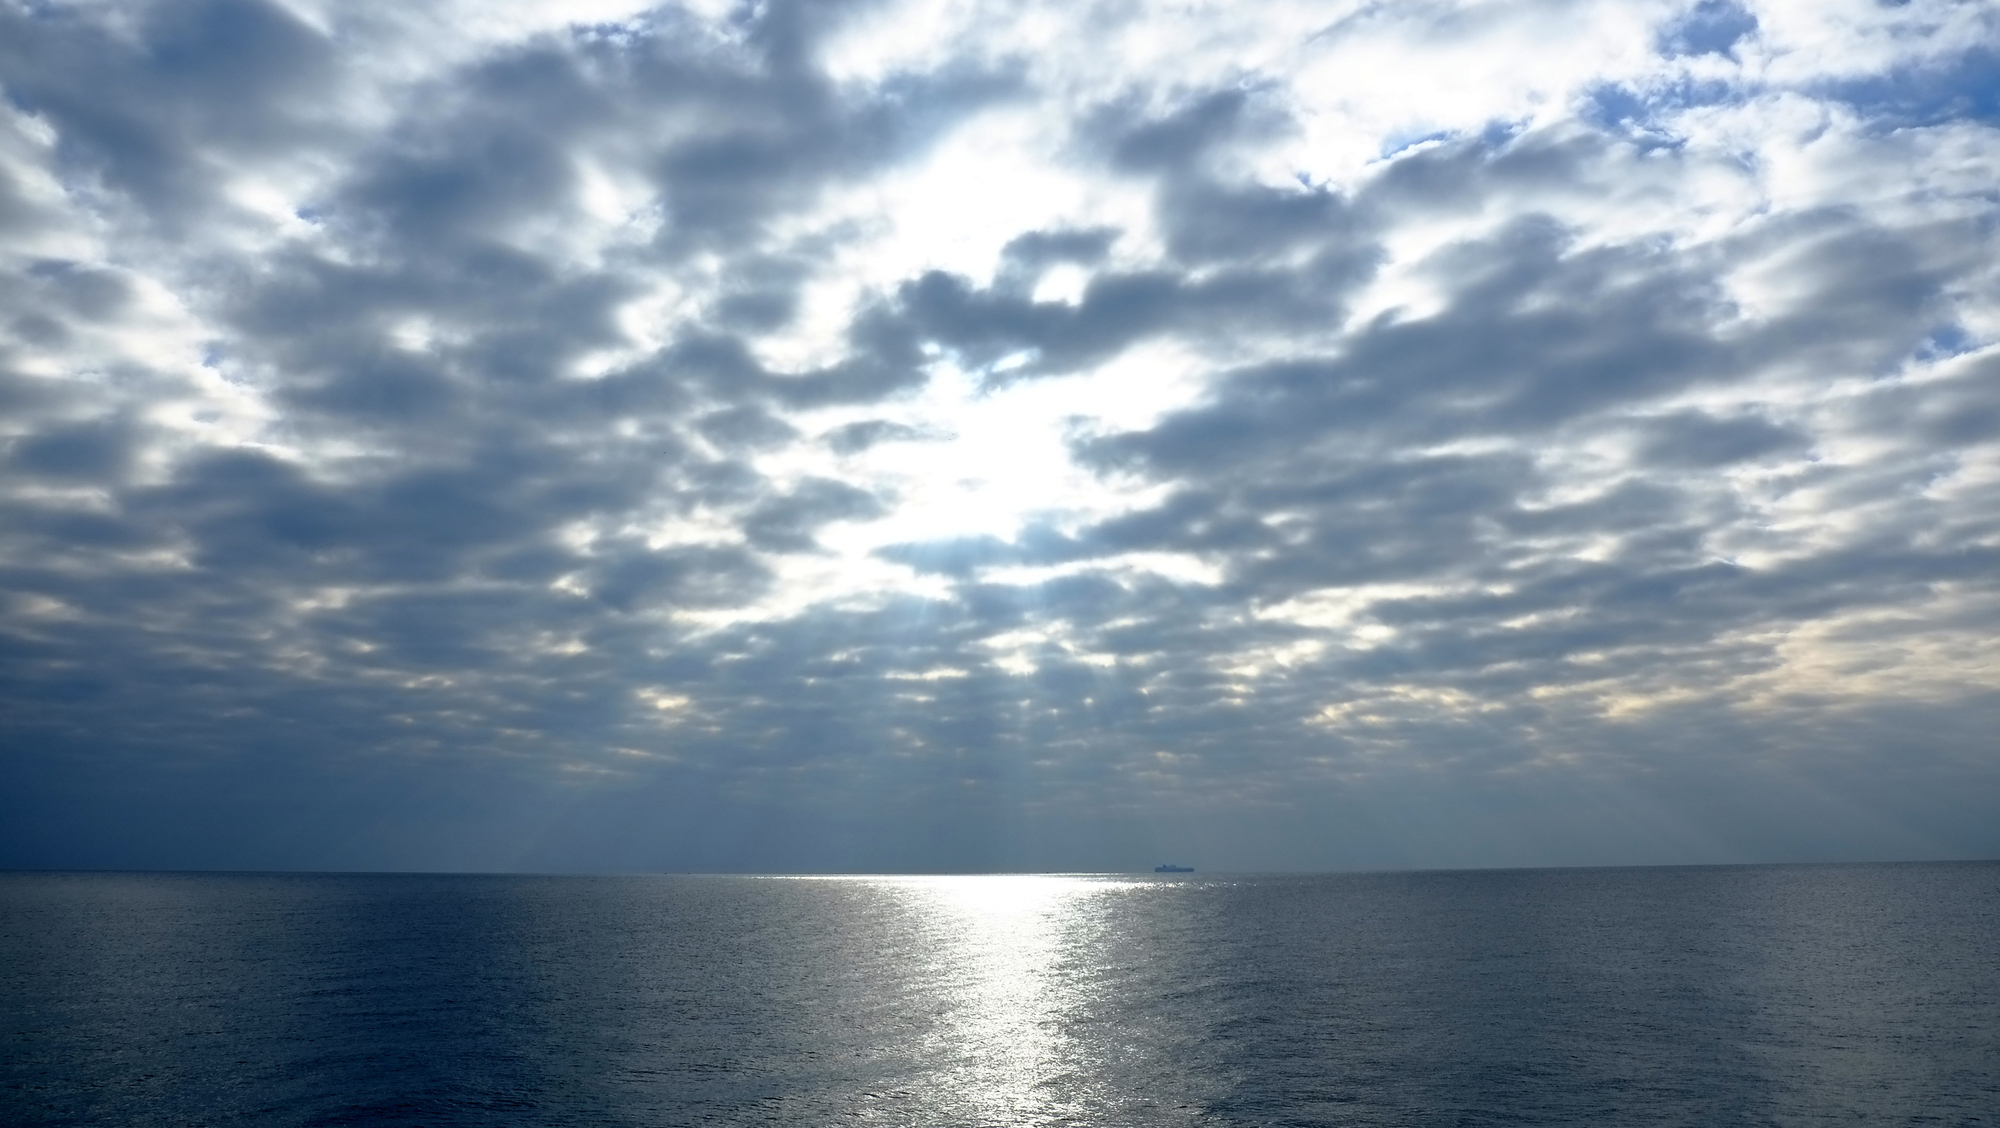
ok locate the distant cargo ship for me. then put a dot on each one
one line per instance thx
(1173, 869)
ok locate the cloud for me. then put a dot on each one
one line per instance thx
(702, 438)
(853, 438)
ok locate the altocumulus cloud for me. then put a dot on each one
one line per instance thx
(960, 435)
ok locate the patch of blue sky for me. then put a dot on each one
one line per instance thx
(1712, 27)
(1396, 144)
(1965, 88)
(1945, 342)
(1502, 131)
(1640, 116)
(1496, 135)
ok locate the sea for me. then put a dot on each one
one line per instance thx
(1753, 995)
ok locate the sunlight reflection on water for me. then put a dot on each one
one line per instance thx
(1012, 961)
(1771, 995)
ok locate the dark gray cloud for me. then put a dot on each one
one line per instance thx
(1696, 440)
(785, 522)
(853, 438)
(431, 442)
(146, 105)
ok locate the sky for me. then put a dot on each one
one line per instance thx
(958, 435)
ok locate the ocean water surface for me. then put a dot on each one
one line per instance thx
(1699, 996)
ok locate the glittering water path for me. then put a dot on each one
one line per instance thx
(1788, 995)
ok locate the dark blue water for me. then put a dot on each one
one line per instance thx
(1761, 995)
